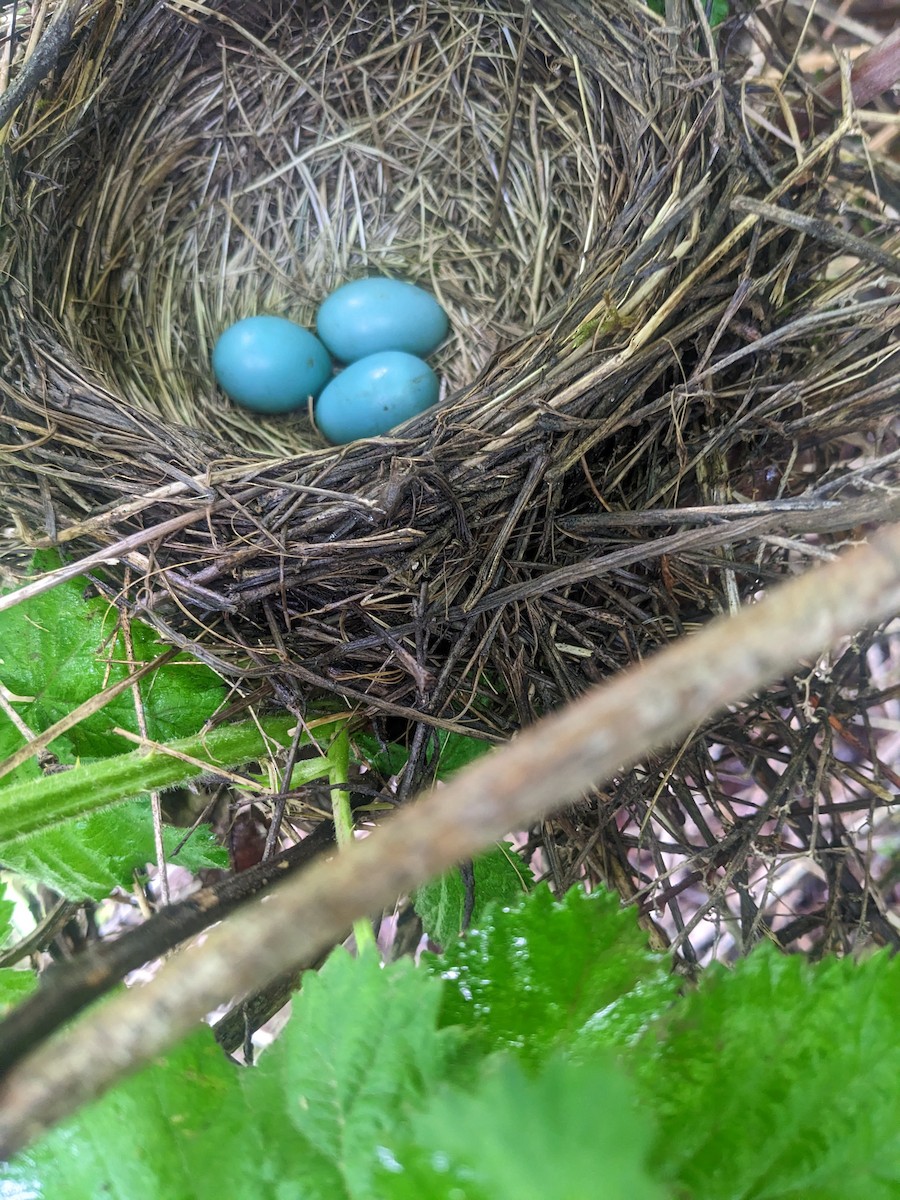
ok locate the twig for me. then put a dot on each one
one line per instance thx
(874, 72)
(42, 935)
(155, 802)
(85, 709)
(831, 235)
(42, 61)
(548, 766)
(120, 551)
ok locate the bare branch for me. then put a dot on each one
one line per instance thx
(42, 61)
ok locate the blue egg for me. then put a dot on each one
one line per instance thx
(270, 365)
(370, 315)
(374, 394)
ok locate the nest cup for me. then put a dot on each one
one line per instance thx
(249, 159)
(636, 353)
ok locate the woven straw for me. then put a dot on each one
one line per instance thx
(669, 379)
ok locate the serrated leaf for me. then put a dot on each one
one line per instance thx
(59, 649)
(364, 1042)
(569, 1132)
(139, 1139)
(303, 1125)
(14, 986)
(554, 973)
(86, 859)
(778, 1081)
(455, 750)
(500, 878)
(7, 908)
(387, 759)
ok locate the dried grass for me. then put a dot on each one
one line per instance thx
(672, 378)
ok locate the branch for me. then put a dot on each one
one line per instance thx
(873, 73)
(42, 61)
(71, 985)
(546, 767)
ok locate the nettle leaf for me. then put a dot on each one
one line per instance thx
(359, 1048)
(778, 1081)
(14, 984)
(364, 1045)
(458, 750)
(500, 878)
(7, 908)
(568, 1132)
(575, 972)
(455, 750)
(142, 1138)
(87, 858)
(59, 649)
(716, 10)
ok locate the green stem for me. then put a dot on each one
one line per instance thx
(338, 775)
(26, 808)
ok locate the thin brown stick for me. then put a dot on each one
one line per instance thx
(119, 552)
(85, 709)
(42, 60)
(876, 71)
(547, 767)
(830, 234)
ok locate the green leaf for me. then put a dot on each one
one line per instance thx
(455, 750)
(7, 908)
(778, 1081)
(364, 1042)
(570, 1132)
(14, 984)
(144, 1138)
(717, 11)
(387, 759)
(500, 877)
(554, 973)
(86, 859)
(303, 1125)
(59, 649)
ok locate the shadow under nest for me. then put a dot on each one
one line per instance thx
(669, 384)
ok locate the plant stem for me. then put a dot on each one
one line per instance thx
(338, 774)
(26, 808)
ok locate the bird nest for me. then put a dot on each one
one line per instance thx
(668, 384)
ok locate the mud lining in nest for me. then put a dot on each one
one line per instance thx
(669, 383)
